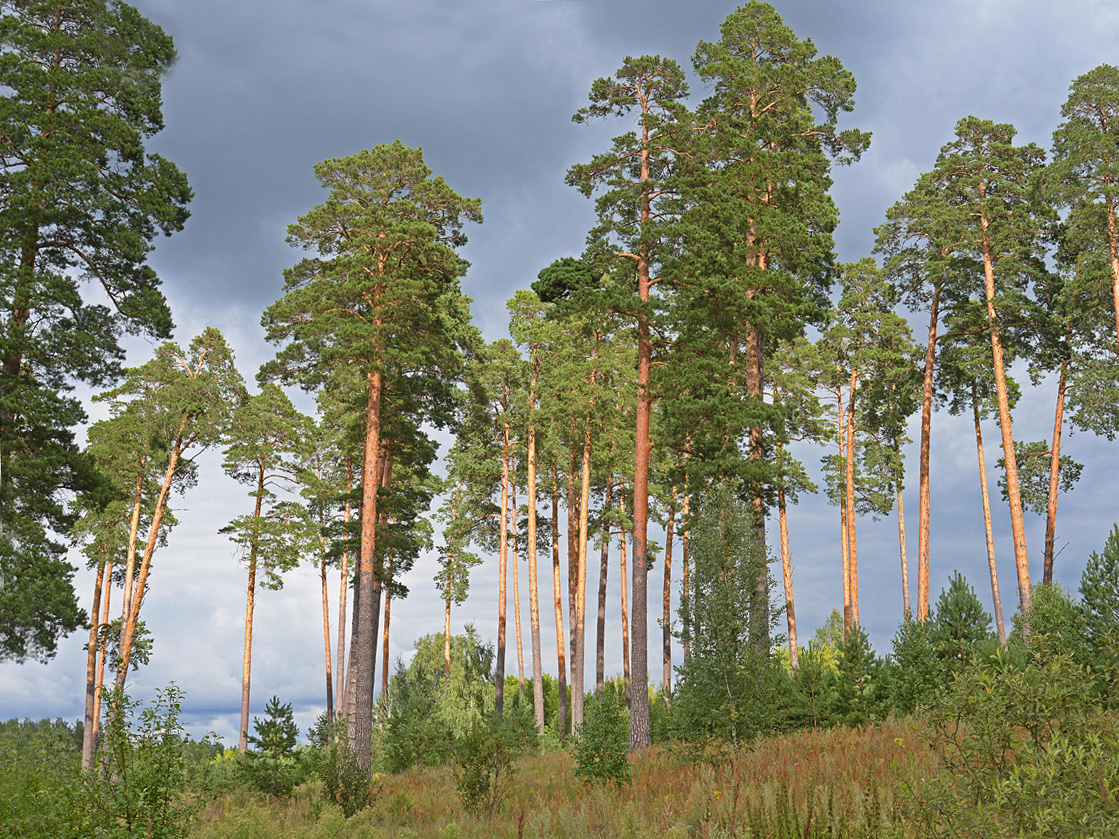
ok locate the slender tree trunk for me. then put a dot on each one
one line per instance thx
(844, 534)
(666, 604)
(923, 480)
(385, 637)
(576, 682)
(787, 577)
(624, 596)
(755, 389)
(987, 520)
(130, 621)
(852, 553)
(343, 588)
(363, 643)
(557, 591)
(904, 561)
(102, 645)
(250, 602)
(326, 632)
(579, 664)
(1054, 476)
(1018, 529)
(533, 588)
(447, 635)
(516, 584)
(502, 576)
(1113, 254)
(685, 574)
(91, 683)
(604, 560)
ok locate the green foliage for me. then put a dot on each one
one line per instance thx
(484, 758)
(138, 782)
(961, 625)
(1026, 753)
(917, 670)
(860, 682)
(345, 782)
(724, 688)
(273, 765)
(82, 202)
(602, 741)
(1099, 595)
(40, 763)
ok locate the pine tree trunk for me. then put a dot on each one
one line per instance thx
(102, 645)
(1018, 529)
(579, 664)
(385, 637)
(132, 618)
(1113, 255)
(250, 602)
(926, 433)
(516, 584)
(343, 589)
(904, 561)
(666, 604)
(502, 576)
(987, 520)
(624, 595)
(363, 641)
(844, 537)
(685, 565)
(557, 592)
(604, 560)
(326, 632)
(787, 577)
(447, 635)
(852, 553)
(91, 683)
(1054, 476)
(533, 582)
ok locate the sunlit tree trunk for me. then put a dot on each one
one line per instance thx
(557, 589)
(1017, 526)
(666, 603)
(502, 576)
(91, 684)
(987, 520)
(923, 480)
(250, 603)
(624, 596)
(852, 553)
(513, 532)
(904, 561)
(1054, 476)
(326, 632)
(604, 560)
(787, 578)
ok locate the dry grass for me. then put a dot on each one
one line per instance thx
(848, 782)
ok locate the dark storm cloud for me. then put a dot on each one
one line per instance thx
(264, 90)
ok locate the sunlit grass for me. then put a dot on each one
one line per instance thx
(841, 782)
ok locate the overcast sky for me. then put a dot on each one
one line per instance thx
(264, 90)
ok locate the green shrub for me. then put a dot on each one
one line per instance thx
(1026, 753)
(273, 765)
(602, 741)
(484, 759)
(138, 782)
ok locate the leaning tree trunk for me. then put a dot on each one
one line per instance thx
(904, 561)
(91, 683)
(987, 520)
(1054, 476)
(1018, 529)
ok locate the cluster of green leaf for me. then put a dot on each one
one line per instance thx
(147, 780)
